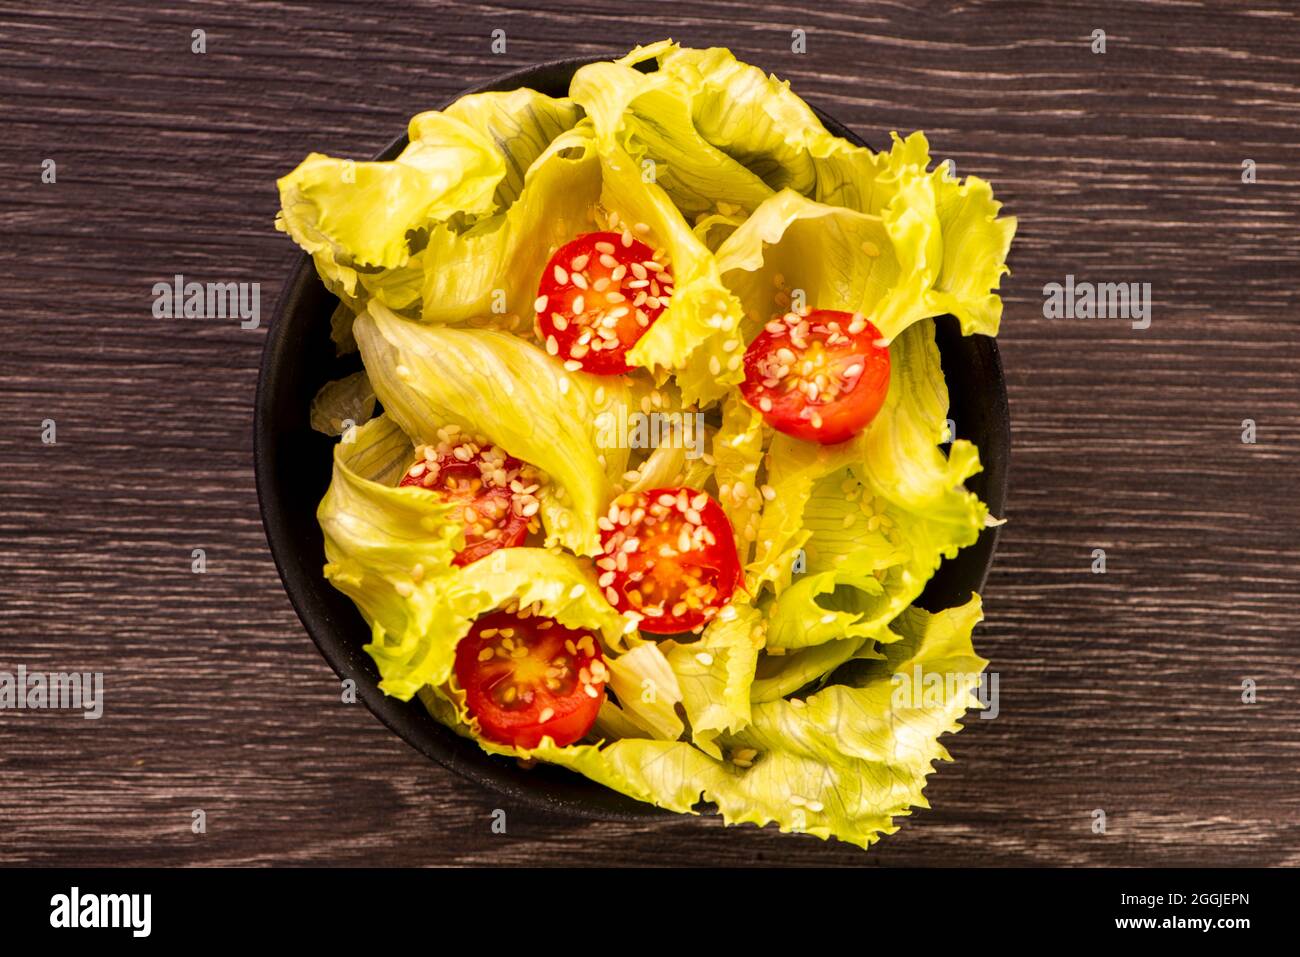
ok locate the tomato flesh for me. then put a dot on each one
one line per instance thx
(669, 558)
(494, 492)
(821, 377)
(526, 677)
(597, 296)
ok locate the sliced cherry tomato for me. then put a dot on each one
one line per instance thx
(495, 492)
(526, 677)
(598, 295)
(669, 558)
(819, 377)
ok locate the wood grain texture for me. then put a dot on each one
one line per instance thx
(1118, 691)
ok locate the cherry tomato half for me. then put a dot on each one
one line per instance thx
(598, 295)
(669, 558)
(526, 677)
(494, 492)
(819, 377)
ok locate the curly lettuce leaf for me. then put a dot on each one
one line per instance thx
(649, 117)
(367, 224)
(380, 540)
(358, 217)
(390, 549)
(974, 241)
(695, 338)
(715, 673)
(847, 760)
(975, 247)
(559, 585)
(793, 469)
(719, 133)
(797, 254)
(522, 124)
(647, 689)
(867, 181)
(738, 455)
(493, 384)
(843, 762)
(874, 531)
(781, 674)
(803, 615)
(491, 268)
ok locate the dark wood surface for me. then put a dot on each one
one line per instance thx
(1119, 691)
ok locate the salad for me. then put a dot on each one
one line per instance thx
(646, 464)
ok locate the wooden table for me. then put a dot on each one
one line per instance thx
(1119, 691)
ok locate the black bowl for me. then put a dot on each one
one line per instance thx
(292, 464)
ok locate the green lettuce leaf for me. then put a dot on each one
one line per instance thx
(499, 386)
(491, 268)
(793, 467)
(647, 689)
(367, 225)
(358, 217)
(847, 760)
(717, 132)
(794, 253)
(797, 619)
(695, 338)
(974, 241)
(780, 674)
(715, 673)
(975, 247)
(738, 455)
(843, 762)
(522, 124)
(559, 585)
(872, 531)
(390, 549)
(381, 541)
